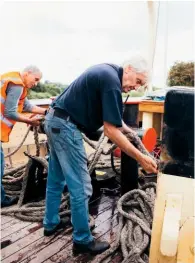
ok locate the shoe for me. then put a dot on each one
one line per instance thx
(8, 201)
(94, 247)
(65, 222)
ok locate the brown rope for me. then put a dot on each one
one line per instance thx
(36, 138)
(20, 145)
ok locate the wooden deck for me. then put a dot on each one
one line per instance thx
(26, 243)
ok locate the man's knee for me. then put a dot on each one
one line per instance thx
(80, 196)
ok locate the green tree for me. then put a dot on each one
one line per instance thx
(46, 90)
(181, 74)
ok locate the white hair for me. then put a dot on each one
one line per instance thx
(33, 69)
(137, 62)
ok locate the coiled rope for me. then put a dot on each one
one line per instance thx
(135, 210)
(13, 178)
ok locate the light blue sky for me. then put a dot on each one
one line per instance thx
(64, 38)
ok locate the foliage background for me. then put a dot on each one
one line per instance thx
(181, 74)
(46, 90)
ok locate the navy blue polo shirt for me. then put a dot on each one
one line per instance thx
(94, 97)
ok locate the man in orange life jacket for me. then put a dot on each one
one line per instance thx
(14, 88)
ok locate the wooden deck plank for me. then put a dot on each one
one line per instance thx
(6, 232)
(54, 247)
(40, 243)
(31, 244)
(22, 232)
(5, 219)
(103, 217)
(48, 251)
(101, 199)
(10, 223)
(66, 254)
(21, 244)
(104, 207)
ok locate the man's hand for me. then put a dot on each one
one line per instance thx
(35, 120)
(148, 164)
(116, 136)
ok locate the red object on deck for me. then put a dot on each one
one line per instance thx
(117, 152)
(149, 138)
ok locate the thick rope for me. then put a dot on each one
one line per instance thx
(94, 158)
(88, 141)
(135, 210)
(20, 145)
(13, 178)
(34, 212)
(94, 145)
(13, 170)
(137, 141)
(36, 138)
(12, 182)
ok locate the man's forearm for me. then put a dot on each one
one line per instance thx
(35, 109)
(116, 136)
(38, 110)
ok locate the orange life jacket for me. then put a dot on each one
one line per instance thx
(6, 123)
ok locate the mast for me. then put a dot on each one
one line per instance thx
(153, 26)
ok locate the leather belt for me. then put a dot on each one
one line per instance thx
(65, 116)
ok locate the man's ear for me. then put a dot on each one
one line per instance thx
(29, 72)
(26, 74)
(127, 69)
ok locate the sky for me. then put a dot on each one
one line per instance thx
(63, 38)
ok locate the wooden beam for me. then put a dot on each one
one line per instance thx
(170, 184)
(170, 230)
(186, 246)
(151, 106)
(147, 120)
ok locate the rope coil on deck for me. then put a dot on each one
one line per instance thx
(13, 179)
(135, 210)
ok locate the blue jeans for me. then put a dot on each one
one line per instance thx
(2, 172)
(67, 166)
